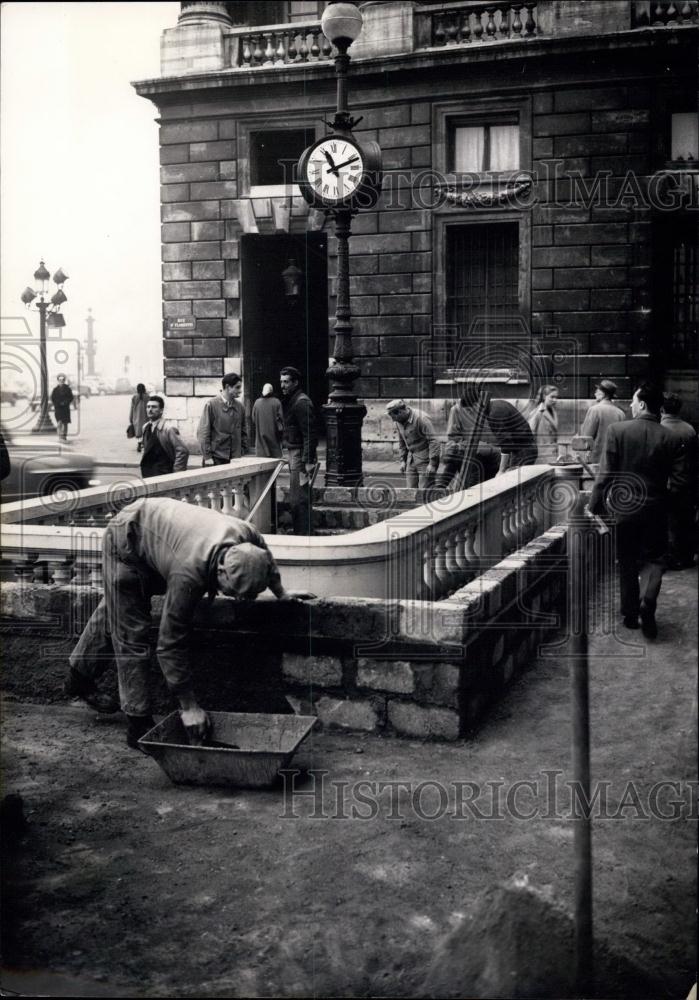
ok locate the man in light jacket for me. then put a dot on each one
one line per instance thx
(164, 451)
(417, 442)
(222, 431)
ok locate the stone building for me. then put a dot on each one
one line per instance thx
(538, 218)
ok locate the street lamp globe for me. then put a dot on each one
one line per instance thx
(42, 275)
(341, 23)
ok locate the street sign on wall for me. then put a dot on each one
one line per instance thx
(178, 327)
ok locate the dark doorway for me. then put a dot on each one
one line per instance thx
(277, 331)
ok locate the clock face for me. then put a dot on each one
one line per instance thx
(334, 169)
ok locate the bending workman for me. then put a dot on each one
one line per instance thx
(165, 546)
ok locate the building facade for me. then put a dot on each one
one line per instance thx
(539, 214)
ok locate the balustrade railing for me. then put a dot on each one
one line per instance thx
(656, 13)
(232, 489)
(277, 45)
(425, 553)
(467, 23)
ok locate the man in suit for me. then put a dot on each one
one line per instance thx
(300, 441)
(641, 464)
(164, 451)
(681, 527)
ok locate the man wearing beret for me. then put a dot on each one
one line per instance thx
(418, 444)
(165, 546)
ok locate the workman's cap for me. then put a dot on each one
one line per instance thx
(395, 405)
(608, 387)
(246, 570)
(267, 389)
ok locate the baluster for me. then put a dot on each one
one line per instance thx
(453, 567)
(505, 20)
(490, 26)
(257, 54)
(325, 47)
(211, 499)
(96, 576)
(315, 48)
(478, 27)
(440, 567)
(470, 548)
(438, 36)
(517, 20)
(292, 51)
(269, 49)
(246, 57)
(686, 12)
(657, 16)
(530, 23)
(452, 30)
(82, 573)
(280, 51)
(39, 571)
(227, 505)
(460, 555)
(533, 514)
(303, 51)
(428, 571)
(671, 13)
(60, 571)
(465, 29)
(507, 540)
(24, 568)
(197, 500)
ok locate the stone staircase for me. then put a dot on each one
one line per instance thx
(337, 510)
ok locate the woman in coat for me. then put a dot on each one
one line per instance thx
(544, 424)
(137, 413)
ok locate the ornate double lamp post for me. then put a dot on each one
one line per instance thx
(342, 176)
(49, 315)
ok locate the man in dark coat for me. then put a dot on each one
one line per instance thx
(164, 451)
(300, 441)
(163, 546)
(267, 424)
(640, 462)
(62, 397)
(681, 527)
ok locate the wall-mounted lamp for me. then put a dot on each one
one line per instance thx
(293, 282)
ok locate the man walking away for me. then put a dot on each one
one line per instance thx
(62, 397)
(300, 441)
(222, 432)
(163, 449)
(601, 414)
(418, 444)
(267, 424)
(640, 458)
(681, 524)
(163, 546)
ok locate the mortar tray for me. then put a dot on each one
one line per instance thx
(265, 744)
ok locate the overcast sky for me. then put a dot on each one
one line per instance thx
(79, 153)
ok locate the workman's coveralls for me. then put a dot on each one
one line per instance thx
(156, 546)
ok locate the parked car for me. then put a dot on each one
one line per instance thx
(40, 466)
(123, 385)
(8, 396)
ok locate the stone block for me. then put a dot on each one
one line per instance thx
(218, 150)
(402, 304)
(208, 270)
(572, 299)
(339, 713)
(209, 308)
(437, 683)
(397, 158)
(542, 236)
(421, 156)
(409, 262)
(421, 242)
(180, 347)
(230, 250)
(543, 103)
(174, 154)
(184, 173)
(182, 210)
(380, 284)
(409, 719)
(172, 192)
(194, 367)
(616, 120)
(402, 221)
(174, 232)
(404, 135)
(589, 98)
(209, 347)
(591, 233)
(209, 327)
(207, 386)
(214, 189)
(178, 386)
(323, 671)
(387, 366)
(192, 289)
(365, 305)
(395, 676)
(190, 251)
(542, 149)
(179, 271)
(188, 132)
(208, 231)
(589, 277)
(561, 124)
(366, 264)
(382, 243)
(542, 278)
(365, 222)
(231, 289)
(613, 298)
(231, 327)
(595, 322)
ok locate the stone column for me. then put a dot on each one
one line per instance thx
(196, 44)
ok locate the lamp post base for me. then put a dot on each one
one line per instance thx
(343, 423)
(44, 425)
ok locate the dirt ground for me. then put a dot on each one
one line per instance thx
(124, 885)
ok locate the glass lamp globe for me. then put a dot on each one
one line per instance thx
(341, 23)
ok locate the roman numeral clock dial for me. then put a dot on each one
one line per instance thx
(338, 172)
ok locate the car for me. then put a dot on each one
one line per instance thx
(9, 396)
(123, 385)
(40, 465)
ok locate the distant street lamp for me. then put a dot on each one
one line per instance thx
(49, 315)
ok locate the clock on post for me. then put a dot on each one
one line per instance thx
(339, 172)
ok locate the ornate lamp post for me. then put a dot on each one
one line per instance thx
(342, 175)
(49, 315)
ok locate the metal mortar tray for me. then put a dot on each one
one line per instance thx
(244, 749)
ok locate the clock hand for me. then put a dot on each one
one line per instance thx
(345, 162)
(330, 160)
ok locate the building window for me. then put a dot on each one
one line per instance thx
(685, 136)
(478, 148)
(274, 153)
(483, 281)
